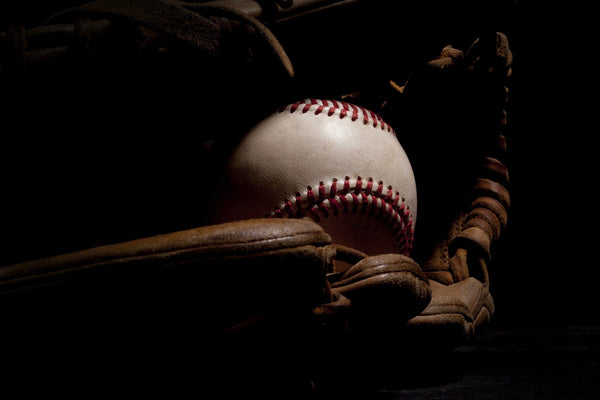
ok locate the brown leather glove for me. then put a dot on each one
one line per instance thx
(464, 210)
(228, 274)
(236, 275)
(246, 299)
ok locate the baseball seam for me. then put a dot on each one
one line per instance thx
(340, 108)
(354, 197)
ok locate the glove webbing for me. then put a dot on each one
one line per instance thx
(480, 221)
(481, 224)
(488, 210)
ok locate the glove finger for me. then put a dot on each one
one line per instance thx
(387, 285)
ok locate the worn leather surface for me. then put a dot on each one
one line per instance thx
(226, 274)
(456, 312)
(389, 286)
(226, 241)
(164, 16)
(318, 141)
(237, 277)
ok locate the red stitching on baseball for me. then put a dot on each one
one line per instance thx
(310, 195)
(379, 188)
(322, 195)
(333, 191)
(342, 108)
(354, 112)
(346, 188)
(358, 188)
(388, 206)
(362, 198)
(369, 186)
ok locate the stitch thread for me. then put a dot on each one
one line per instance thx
(342, 109)
(359, 196)
(322, 203)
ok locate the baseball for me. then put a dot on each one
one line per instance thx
(334, 162)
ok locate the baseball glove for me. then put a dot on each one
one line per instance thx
(465, 183)
(459, 158)
(253, 285)
(249, 299)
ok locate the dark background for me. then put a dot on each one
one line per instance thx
(106, 151)
(127, 144)
(548, 274)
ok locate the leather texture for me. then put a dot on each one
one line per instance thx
(228, 273)
(456, 312)
(457, 260)
(389, 286)
(308, 146)
(238, 276)
(234, 240)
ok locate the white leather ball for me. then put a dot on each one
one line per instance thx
(336, 163)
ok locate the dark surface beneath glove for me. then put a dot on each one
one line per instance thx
(516, 364)
(522, 364)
